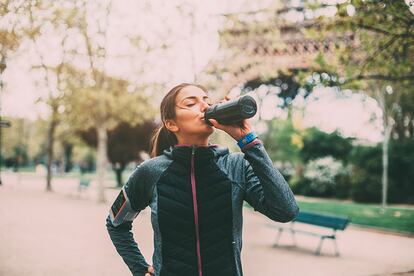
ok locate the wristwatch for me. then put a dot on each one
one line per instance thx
(246, 139)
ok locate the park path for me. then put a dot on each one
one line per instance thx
(63, 233)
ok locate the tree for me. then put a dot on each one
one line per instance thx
(284, 138)
(16, 147)
(317, 144)
(125, 142)
(379, 60)
(115, 104)
(283, 141)
(11, 35)
(55, 22)
(12, 28)
(95, 99)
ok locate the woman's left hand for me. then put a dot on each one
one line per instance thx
(150, 271)
(236, 131)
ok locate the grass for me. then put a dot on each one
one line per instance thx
(367, 215)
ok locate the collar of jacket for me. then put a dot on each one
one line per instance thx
(201, 153)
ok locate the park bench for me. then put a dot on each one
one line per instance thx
(83, 184)
(326, 221)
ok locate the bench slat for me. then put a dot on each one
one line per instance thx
(334, 222)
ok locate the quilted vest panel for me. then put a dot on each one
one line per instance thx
(176, 218)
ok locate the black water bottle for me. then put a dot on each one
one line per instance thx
(232, 112)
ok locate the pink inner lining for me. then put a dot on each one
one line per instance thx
(251, 144)
(193, 186)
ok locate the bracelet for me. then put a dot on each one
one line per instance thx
(246, 139)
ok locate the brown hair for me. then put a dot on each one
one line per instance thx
(163, 138)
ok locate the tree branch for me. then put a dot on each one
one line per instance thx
(380, 77)
(381, 31)
(377, 52)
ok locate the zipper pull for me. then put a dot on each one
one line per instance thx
(193, 150)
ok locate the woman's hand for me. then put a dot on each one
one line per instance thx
(236, 131)
(150, 271)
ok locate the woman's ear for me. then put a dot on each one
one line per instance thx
(171, 126)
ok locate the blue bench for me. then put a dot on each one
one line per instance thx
(327, 221)
(83, 184)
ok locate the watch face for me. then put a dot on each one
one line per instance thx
(118, 204)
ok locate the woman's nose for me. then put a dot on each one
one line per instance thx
(204, 106)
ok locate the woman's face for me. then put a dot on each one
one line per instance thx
(190, 105)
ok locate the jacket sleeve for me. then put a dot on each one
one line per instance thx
(134, 197)
(265, 188)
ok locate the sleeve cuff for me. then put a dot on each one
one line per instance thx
(251, 144)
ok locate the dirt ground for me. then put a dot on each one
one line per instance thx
(63, 233)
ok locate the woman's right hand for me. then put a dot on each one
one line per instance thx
(237, 131)
(150, 271)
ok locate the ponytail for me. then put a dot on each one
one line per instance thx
(161, 140)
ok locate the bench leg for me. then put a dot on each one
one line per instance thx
(336, 247)
(278, 237)
(318, 250)
(293, 237)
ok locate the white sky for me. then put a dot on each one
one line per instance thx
(325, 109)
(353, 114)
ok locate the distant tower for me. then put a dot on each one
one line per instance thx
(296, 51)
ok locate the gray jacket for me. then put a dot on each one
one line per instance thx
(196, 198)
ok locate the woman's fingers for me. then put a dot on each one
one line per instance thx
(150, 271)
(234, 131)
(217, 124)
(226, 98)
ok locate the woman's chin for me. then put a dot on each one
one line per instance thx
(208, 130)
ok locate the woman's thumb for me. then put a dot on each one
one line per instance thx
(213, 122)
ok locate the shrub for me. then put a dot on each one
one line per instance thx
(324, 177)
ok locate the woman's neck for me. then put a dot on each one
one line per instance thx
(197, 141)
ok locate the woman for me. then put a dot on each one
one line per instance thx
(196, 191)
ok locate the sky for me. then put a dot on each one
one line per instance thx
(353, 114)
(193, 44)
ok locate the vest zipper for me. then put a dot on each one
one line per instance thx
(194, 190)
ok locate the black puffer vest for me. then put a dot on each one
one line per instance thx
(195, 216)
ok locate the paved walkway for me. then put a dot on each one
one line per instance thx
(63, 233)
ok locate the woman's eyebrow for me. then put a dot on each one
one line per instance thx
(193, 98)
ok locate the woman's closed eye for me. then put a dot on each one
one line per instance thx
(192, 104)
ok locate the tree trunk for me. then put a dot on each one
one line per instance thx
(50, 151)
(67, 159)
(119, 169)
(410, 127)
(387, 124)
(385, 143)
(101, 160)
